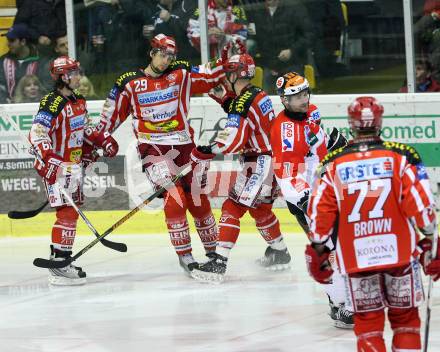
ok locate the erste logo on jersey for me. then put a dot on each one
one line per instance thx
(365, 169)
(233, 120)
(44, 118)
(159, 96)
(265, 105)
(76, 122)
(287, 137)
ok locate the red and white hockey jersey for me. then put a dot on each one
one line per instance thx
(370, 193)
(248, 125)
(159, 106)
(297, 147)
(58, 126)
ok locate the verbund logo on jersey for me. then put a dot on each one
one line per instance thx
(365, 169)
(159, 96)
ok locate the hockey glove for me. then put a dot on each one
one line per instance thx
(51, 168)
(431, 266)
(318, 266)
(202, 154)
(89, 154)
(102, 140)
(335, 140)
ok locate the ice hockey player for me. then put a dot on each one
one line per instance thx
(246, 133)
(375, 195)
(57, 137)
(298, 145)
(158, 99)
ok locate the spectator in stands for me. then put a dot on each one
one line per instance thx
(21, 59)
(282, 31)
(61, 46)
(29, 90)
(101, 14)
(171, 18)
(427, 34)
(327, 27)
(86, 88)
(424, 80)
(46, 19)
(226, 22)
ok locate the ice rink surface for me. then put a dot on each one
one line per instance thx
(142, 301)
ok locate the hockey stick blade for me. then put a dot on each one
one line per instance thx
(17, 214)
(52, 264)
(120, 247)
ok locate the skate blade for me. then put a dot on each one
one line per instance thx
(341, 325)
(278, 267)
(64, 281)
(210, 278)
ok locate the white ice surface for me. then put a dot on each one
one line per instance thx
(142, 301)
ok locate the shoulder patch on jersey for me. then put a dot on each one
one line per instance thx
(315, 115)
(265, 105)
(180, 65)
(241, 104)
(421, 171)
(53, 103)
(233, 120)
(126, 77)
(411, 153)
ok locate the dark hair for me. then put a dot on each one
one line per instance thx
(424, 63)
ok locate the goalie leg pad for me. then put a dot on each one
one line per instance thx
(64, 229)
(204, 222)
(175, 217)
(405, 324)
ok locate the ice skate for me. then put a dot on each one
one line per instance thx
(188, 263)
(212, 271)
(70, 275)
(342, 318)
(275, 260)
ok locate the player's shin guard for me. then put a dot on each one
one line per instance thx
(175, 218)
(64, 229)
(229, 226)
(204, 222)
(368, 328)
(405, 324)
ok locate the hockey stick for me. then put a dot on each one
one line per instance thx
(51, 264)
(430, 289)
(25, 214)
(121, 247)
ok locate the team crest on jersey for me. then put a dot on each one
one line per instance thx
(421, 172)
(265, 105)
(171, 77)
(287, 137)
(233, 121)
(365, 169)
(43, 118)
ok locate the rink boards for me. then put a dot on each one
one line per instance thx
(118, 184)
